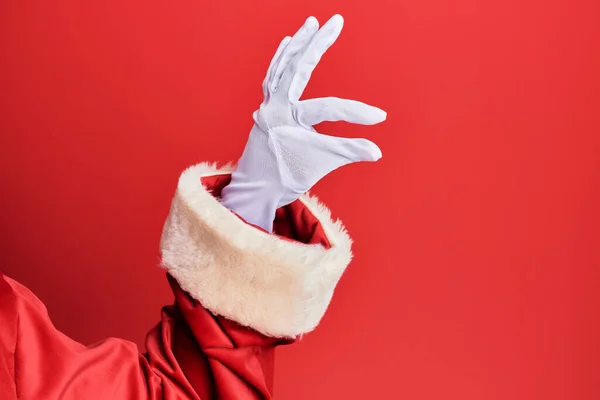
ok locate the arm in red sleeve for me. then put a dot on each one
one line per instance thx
(239, 292)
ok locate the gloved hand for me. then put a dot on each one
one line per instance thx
(284, 156)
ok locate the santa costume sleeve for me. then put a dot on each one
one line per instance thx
(239, 292)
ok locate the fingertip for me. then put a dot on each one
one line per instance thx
(286, 40)
(373, 152)
(374, 116)
(337, 19)
(311, 23)
(332, 29)
(377, 154)
(335, 24)
(377, 115)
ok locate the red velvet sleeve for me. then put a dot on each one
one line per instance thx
(274, 286)
(191, 354)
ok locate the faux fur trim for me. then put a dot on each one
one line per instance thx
(274, 286)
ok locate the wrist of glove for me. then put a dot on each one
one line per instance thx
(255, 192)
(285, 156)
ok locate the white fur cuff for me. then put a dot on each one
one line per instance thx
(274, 286)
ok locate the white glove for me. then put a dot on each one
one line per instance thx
(284, 156)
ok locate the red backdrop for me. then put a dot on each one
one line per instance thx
(477, 244)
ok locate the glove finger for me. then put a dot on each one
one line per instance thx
(355, 150)
(273, 66)
(315, 149)
(298, 42)
(305, 62)
(308, 156)
(314, 111)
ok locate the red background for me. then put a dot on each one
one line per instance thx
(477, 242)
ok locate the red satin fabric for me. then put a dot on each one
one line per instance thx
(190, 354)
